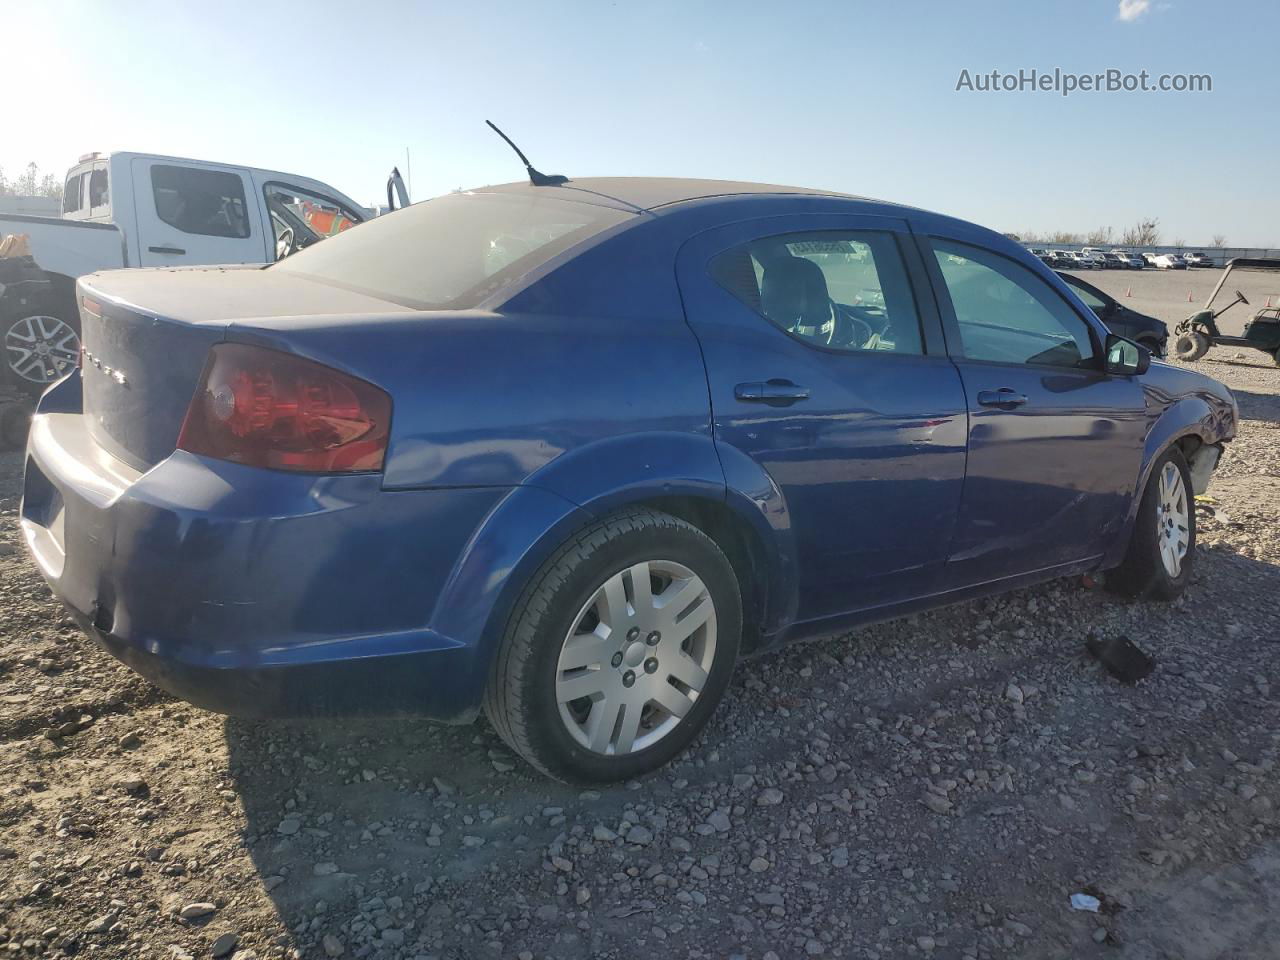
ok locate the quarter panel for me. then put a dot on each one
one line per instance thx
(491, 399)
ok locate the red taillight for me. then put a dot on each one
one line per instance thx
(270, 409)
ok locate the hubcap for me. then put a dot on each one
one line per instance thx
(1172, 520)
(637, 657)
(41, 349)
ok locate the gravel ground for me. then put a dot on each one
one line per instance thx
(936, 787)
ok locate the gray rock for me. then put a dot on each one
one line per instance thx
(769, 797)
(224, 944)
(197, 911)
(936, 803)
(101, 924)
(333, 947)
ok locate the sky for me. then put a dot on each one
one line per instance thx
(851, 96)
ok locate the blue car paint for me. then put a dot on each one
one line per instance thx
(871, 472)
(599, 382)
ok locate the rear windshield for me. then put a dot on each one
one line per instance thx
(452, 252)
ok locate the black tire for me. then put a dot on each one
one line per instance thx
(520, 700)
(1190, 346)
(1143, 573)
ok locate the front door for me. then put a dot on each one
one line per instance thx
(191, 213)
(828, 372)
(1055, 443)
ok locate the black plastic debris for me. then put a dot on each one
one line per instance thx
(1126, 661)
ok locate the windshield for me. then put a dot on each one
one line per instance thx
(452, 252)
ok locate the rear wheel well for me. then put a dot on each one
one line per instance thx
(740, 544)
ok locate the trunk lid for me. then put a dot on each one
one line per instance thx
(147, 334)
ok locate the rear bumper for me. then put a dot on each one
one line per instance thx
(250, 591)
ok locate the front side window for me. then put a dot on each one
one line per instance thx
(301, 217)
(210, 203)
(837, 290)
(1007, 314)
(71, 194)
(455, 251)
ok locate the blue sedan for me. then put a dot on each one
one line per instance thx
(566, 452)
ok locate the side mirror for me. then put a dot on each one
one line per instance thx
(1126, 358)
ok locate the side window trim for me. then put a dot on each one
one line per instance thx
(947, 311)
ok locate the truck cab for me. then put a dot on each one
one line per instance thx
(175, 211)
(144, 210)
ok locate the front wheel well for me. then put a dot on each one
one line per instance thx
(740, 544)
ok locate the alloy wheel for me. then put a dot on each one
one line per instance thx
(41, 349)
(1172, 520)
(637, 657)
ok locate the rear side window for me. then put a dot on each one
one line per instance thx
(210, 203)
(455, 251)
(71, 194)
(1007, 314)
(835, 290)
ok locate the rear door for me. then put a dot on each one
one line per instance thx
(826, 370)
(1055, 443)
(191, 213)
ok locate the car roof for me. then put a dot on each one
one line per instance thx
(650, 193)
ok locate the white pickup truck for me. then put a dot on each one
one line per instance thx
(143, 210)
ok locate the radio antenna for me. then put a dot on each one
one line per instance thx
(536, 177)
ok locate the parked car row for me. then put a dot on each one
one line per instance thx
(1092, 258)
